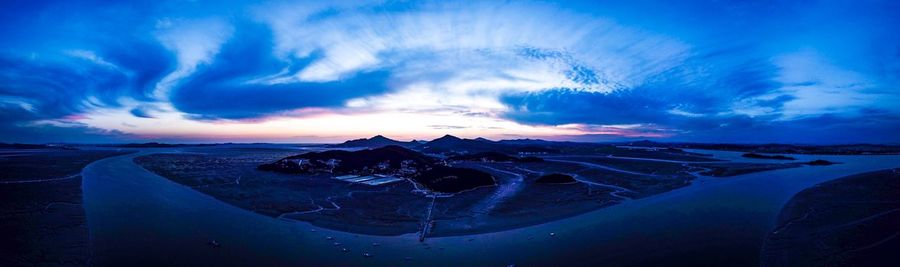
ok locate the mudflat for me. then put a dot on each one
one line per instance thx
(42, 221)
(853, 220)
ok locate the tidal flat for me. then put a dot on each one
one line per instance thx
(41, 213)
(604, 176)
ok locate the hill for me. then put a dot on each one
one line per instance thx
(449, 144)
(375, 142)
(389, 160)
(384, 160)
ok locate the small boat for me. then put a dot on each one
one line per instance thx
(213, 243)
(329, 238)
(552, 234)
(345, 250)
(367, 255)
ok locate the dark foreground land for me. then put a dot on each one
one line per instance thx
(42, 220)
(603, 175)
(851, 221)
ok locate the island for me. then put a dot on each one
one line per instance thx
(761, 156)
(393, 161)
(556, 178)
(820, 162)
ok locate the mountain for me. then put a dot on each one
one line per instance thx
(453, 145)
(449, 143)
(530, 142)
(375, 142)
(482, 139)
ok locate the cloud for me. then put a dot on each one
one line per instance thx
(693, 70)
(194, 43)
(19, 125)
(447, 127)
(243, 83)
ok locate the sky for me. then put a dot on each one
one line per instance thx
(325, 71)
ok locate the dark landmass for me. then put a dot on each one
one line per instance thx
(42, 221)
(639, 152)
(389, 160)
(43, 224)
(50, 164)
(449, 143)
(452, 180)
(34, 146)
(820, 162)
(555, 178)
(847, 149)
(761, 156)
(452, 145)
(494, 157)
(155, 145)
(739, 168)
(375, 142)
(851, 221)
(383, 160)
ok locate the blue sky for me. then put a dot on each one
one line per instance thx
(292, 71)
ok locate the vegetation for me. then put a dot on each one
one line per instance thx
(555, 178)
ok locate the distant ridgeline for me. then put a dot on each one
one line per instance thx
(449, 144)
(156, 145)
(34, 146)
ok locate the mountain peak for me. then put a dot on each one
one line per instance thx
(374, 141)
(448, 137)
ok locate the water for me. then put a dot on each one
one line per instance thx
(136, 217)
